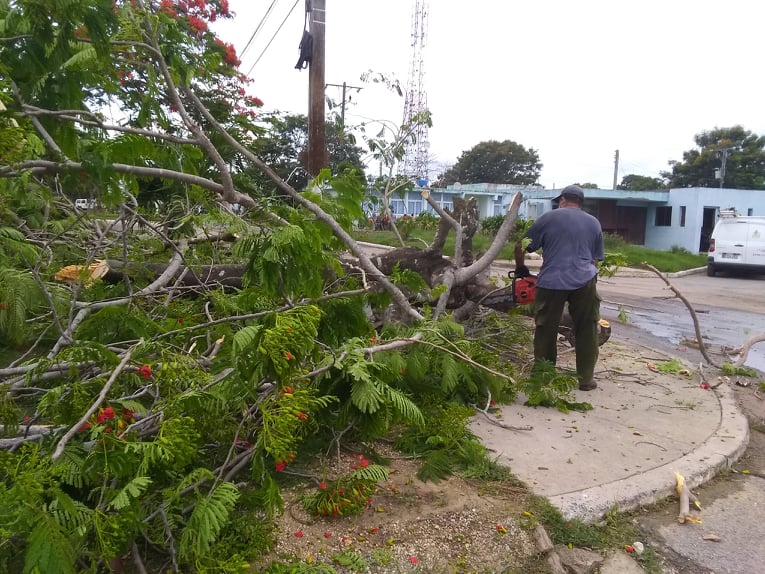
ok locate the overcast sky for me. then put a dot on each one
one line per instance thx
(574, 80)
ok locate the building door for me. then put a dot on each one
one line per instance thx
(707, 225)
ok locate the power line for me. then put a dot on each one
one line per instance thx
(274, 36)
(258, 28)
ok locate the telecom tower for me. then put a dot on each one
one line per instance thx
(415, 161)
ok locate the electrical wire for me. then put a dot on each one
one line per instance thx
(273, 37)
(258, 28)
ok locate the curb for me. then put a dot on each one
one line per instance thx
(720, 450)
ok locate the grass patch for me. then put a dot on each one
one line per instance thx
(615, 531)
(676, 259)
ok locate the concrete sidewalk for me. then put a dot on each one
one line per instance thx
(645, 425)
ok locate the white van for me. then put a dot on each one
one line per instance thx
(737, 244)
(84, 203)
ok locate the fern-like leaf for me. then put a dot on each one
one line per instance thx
(49, 549)
(210, 515)
(131, 490)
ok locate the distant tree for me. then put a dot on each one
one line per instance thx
(285, 142)
(588, 185)
(633, 182)
(739, 149)
(495, 162)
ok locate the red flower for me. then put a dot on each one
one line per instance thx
(280, 465)
(413, 559)
(106, 414)
(364, 463)
(327, 535)
(288, 355)
(704, 386)
(302, 416)
(299, 534)
(180, 320)
(322, 485)
(84, 427)
(501, 529)
(144, 371)
(197, 23)
(128, 415)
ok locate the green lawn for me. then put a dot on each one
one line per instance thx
(634, 255)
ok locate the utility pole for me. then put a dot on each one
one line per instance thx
(318, 157)
(724, 159)
(616, 168)
(342, 106)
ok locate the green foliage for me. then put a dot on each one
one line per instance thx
(445, 444)
(733, 370)
(348, 495)
(286, 419)
(633, 182)
(620, 253)
(547, 387)
(277, 346)
(352, 560)
(490, 225)
(674, 367)
(744, 153)
(116, 324)
(210, 515)
(408, 278)
(20, 297)
(290, 262)
(495, 162)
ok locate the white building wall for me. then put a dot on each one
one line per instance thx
(696, 199)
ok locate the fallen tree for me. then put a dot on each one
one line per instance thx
(163, 411)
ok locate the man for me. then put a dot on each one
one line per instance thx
(572, 245)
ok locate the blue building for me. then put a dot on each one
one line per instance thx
(661, 219)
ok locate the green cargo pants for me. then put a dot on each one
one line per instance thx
(584, 307)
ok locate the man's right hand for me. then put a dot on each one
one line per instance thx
(521, 271)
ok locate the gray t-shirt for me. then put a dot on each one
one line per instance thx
(571, 240)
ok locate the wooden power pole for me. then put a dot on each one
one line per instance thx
(318, 157)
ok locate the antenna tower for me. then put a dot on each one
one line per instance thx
(415, 161)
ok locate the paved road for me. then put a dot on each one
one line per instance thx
(729, 311)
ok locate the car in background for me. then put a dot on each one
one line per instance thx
(84, 203)
(737, 244)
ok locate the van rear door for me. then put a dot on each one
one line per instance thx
(730, 240)
(754, 253)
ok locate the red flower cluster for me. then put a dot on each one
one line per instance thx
(229, 52)
(363, 463)
(108, 417)
(289, 355)
(106, 414)
(144, 371)
(302, 416)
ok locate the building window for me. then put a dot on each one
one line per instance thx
(682, 216)
(415, 207)
(750, 211)
(663, 216)
(397, 206)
